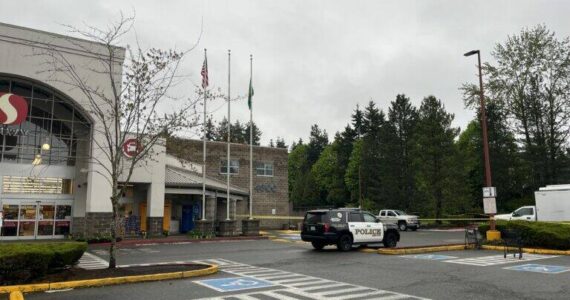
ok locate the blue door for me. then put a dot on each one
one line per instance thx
(187, 221)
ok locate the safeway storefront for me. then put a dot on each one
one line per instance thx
(50, 186)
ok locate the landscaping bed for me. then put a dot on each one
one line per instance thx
(81, 274)
(536, 234)
(24, 262)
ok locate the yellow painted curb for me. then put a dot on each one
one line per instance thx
(529, 250)
(17, 295)
(394, 251)
(281, 240)
(368, 250)
(29, 288)
(289, 231)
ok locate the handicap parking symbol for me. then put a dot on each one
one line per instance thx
(430, 256)
(547, 269)
(234, 284)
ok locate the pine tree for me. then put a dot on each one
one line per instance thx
(435, 155)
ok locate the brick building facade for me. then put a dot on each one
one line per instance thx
(270, 177)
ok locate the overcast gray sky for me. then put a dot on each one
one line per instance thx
(315, 60)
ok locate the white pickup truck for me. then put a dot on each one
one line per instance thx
(400, 218)
(552, 204)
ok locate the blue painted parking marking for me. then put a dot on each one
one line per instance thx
(234, 284)
(430, 256)
(547, 269)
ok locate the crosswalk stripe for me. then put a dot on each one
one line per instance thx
(391, 297)
(343, 291)
(89, 261)
(293, 280)
(323, 282)
(368, 294)
(496, 260)
(293, 286)
(279, 276)
(279, 296)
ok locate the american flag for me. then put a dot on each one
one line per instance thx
(205, 73)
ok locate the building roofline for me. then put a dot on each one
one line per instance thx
(63, 37)
(237, 144)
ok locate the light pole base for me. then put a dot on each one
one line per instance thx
(493, 235)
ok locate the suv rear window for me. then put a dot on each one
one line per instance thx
(316, 217)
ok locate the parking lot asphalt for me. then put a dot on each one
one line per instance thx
(290, 268)
(407, 238)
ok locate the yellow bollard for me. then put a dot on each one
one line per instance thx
(16, 295)
(493, 235)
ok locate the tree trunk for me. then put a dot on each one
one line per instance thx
(114, 224)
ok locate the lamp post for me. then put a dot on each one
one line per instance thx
(484, 130)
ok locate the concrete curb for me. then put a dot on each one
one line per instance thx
(179, 241)
(30, 288)
(529, 250)
(418, 250)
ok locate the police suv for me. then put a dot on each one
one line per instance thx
(345, 227)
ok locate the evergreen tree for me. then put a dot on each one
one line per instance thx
(398, 173)
(280, 143)
(435, 156)
(357, 120)
(256, 134)
(371, 157)
(210, 129)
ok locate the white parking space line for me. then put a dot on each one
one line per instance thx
(92, 262)
(497, 260)
(294, 286)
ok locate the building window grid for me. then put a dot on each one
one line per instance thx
(63, 145)
(264, 169)
(234, 167)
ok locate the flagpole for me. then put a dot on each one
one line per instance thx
(250, 140)
(204, 146)
(229, 128)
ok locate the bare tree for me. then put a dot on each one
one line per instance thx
(137, 107)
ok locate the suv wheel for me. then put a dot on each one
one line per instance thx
(344, 242)
(390, 240)
(403, 226)
(318, 245)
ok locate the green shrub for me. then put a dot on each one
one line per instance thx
(21, 262)
(537, 234)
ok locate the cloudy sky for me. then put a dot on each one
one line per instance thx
(314, 60)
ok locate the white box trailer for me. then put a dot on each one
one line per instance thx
(553, 203)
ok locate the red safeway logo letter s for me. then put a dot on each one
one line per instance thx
(13, 109)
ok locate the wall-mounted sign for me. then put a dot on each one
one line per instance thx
(13, 109)
(266, 188)
(131, 148)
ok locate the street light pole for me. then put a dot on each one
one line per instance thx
(484, 129)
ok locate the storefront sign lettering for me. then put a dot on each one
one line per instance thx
(13, 109)
(5, 130)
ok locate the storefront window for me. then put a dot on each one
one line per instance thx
(10, 224)
(63, 219)
(52, 120)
